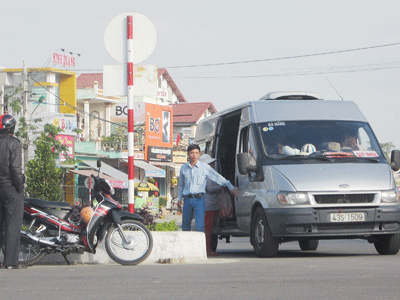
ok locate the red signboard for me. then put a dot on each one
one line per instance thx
(62, 59)
(67, 140)
(158, 127)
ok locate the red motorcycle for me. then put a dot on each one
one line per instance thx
(58, 227)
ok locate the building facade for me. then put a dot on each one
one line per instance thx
(153, 119)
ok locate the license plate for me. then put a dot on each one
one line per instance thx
(347, 217)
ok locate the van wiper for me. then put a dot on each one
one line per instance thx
(370, 159)
(319, 157)
(350, 156)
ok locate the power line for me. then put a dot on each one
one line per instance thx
(316, 72)
(77, 109)
(302, 72)
(284, 58)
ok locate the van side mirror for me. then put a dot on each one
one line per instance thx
(395, 160)
(243, 161)
(244, 165)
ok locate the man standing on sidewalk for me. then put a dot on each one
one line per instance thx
(11, 192)
(192, 187)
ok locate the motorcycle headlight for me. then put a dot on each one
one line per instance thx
(391, 196)
(290, 198)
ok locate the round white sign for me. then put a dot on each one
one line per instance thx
(144, 37)
(87, 182)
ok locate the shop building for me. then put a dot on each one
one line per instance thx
(102, 121)
(50, 98)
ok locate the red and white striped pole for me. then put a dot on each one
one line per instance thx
(131, 140)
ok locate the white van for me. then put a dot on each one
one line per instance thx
(307, 169)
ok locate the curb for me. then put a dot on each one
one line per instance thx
(175, 247)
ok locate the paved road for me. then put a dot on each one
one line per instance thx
(337, 270)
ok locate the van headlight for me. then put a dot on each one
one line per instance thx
(390, 196)
(290, 198)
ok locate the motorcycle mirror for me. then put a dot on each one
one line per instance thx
(99, 163)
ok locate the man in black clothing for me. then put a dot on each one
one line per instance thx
(11, 192)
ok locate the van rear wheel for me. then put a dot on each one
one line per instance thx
(308, 245)
(264, 244)
(214, 242)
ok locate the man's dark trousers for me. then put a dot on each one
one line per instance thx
(11, 213)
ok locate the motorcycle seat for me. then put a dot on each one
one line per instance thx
(48, 204)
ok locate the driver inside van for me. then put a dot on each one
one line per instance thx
(350, 141)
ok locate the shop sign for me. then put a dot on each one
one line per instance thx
(67, 124)
(158, 130)
(153, 173)
(159, 154)
(67, 140)
(117, 184)
(153, 203)
(136, 155)
(162, 93)
(119, 113)
(65, 60)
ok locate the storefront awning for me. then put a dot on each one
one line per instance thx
(115, 183)
(110, 171)
(162, 163)
(150, 170)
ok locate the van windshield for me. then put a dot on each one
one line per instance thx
(324, 140)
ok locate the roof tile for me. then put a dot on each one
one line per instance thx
(191, 112)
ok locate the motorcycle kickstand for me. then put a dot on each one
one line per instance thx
(66, 259)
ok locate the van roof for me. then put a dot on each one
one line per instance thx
(292, 96)
(297, 110)
(278, 110)
(288, 110)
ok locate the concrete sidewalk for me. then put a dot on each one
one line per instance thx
(168, 246)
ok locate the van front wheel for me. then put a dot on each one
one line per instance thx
(388, 245)
(264, 244)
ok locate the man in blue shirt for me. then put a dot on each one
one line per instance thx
(192, 186)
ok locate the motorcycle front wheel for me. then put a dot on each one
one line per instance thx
(137, 247)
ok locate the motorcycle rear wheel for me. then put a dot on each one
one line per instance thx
(138, 247)
(30, 253)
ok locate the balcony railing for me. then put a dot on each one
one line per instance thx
(123, 146)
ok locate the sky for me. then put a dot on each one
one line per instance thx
(230, 52)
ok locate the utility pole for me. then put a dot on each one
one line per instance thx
(25, 142)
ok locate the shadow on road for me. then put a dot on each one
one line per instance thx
(241, 248)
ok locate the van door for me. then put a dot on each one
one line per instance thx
(225, 141)
(247, 184)
(225, 153)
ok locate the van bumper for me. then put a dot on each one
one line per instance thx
(312, 222)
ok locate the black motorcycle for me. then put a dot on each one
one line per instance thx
(58, 227)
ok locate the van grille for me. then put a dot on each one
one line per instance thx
(344, 227)
(344, 198)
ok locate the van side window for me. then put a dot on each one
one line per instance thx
(252, 149)
(363, 139)
(248, 144)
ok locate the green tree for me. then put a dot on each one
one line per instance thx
(13, 99)
(387, 149)
(43, 178)
(116, 139)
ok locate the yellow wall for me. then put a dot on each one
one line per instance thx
(67, 86)
(69, 188)
(67, 94)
